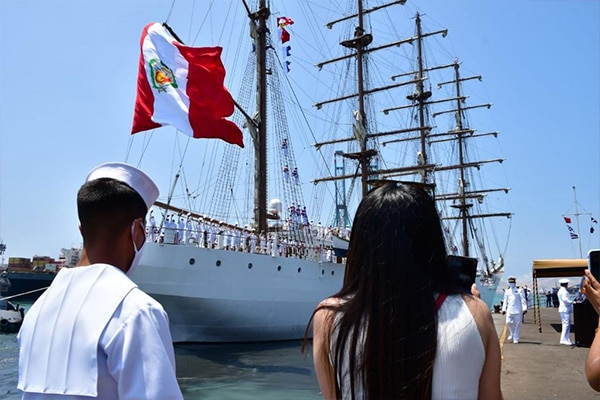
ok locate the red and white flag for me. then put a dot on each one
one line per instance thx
(182, 86)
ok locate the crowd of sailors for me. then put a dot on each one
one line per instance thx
(301, 239)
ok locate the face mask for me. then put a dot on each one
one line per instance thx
(138, 253)
(511, 284)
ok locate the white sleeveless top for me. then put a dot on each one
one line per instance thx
(458, 361)
(460, 353)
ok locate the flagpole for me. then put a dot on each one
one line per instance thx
(577, 218)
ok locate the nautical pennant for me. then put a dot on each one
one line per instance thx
(570, 228)
(284, 35)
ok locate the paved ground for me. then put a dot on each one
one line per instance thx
(539, 367)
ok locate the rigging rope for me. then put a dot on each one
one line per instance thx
(223, 188)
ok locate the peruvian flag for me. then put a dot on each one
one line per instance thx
(182, 86)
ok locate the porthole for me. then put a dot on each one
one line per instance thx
(218, 263)
(299, 269)
(249, 265)
(322, 272)
(192, 261)
(279, 268)
(332, 273)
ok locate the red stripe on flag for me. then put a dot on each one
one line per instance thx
(144, 101)
(210, 102)
(567, 220)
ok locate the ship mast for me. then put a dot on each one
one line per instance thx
(460, 134)
(421, 95)
(577, 218)
(362, 40)
(576, 215)
(359, 43)
(259, 34)
(463, 206)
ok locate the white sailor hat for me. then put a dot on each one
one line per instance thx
(563, 281)
(136, 179)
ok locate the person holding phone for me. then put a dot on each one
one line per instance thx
(591, 290)
(514, 306)
(400, 325)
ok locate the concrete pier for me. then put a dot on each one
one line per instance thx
(538, 367)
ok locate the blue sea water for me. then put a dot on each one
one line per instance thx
(266, 371)
(221, 371)
(498, 297)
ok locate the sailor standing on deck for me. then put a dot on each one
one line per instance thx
(94, 333)
(564, 309)
(153, 231)
(514, 306)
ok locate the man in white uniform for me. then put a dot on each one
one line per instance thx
(153, 236)
(514, 306)
(565, 305)
(94, 333)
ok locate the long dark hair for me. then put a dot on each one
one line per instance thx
(396, 263)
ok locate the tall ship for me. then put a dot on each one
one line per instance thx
(244, 254)
(411, 123)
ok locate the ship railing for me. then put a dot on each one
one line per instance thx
(319, 248)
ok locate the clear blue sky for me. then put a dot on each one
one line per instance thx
(67, 88)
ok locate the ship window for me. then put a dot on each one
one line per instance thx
(249, 265)
(192, 261)
(279, 268)
(322, 272)
(299, 269)
(218, 263)
(332, 272)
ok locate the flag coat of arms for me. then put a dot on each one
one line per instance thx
(183, 87)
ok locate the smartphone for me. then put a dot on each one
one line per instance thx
(463, 270)
(594, 263)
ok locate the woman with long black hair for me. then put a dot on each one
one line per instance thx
(400, 328)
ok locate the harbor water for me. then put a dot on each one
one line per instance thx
(213, 371)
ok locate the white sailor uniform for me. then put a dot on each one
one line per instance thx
(514, 305)
(564, 309)
(94, 333)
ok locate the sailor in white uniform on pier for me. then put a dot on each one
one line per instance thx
(514, 306)
(564, 309)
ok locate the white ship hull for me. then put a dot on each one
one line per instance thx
(340, 246)
(488, 288)
(215, 295)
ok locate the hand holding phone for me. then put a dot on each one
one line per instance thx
(463, 270)
(594, 263)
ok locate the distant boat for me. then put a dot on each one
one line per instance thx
(11, 316)
(29, 284)
(30, 277)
